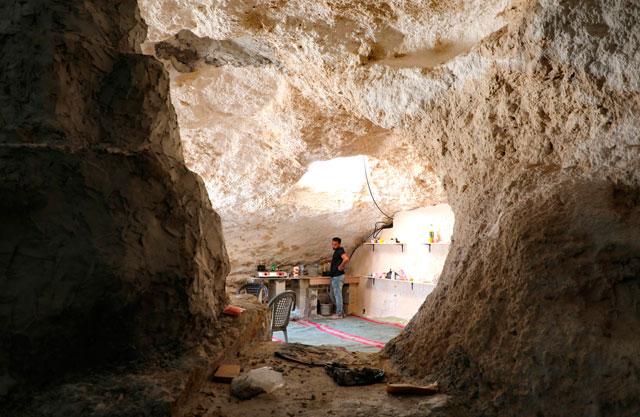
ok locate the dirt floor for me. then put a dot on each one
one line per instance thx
(181, 386)
(309, 391)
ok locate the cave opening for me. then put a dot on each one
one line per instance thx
(382, 289)
(153, 152)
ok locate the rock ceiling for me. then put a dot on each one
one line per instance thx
(263, 89)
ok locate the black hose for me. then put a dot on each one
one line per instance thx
(376, 229)
(374, 234)
(366, 175)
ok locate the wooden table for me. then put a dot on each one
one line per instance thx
(306, 294)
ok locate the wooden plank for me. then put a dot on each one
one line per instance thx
(226, 372)
(352, 280)
(410, 389)
(319, 281)
(327, 280)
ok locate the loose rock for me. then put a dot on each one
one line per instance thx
(256, 381)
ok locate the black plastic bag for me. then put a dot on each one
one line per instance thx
(347, 377)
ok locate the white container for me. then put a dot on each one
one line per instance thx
(325, 309)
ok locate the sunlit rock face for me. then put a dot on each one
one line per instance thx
(251, 133)
(252, 136)
(527, 111)
(109, 248)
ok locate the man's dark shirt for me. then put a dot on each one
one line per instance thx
(335, 261)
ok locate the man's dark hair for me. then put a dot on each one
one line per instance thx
(337, 239)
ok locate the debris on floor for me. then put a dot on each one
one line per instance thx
(256, 381)
(409, 389)
(309, 391)
(225, 373)
(348, 377)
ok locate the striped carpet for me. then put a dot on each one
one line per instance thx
(355, 333)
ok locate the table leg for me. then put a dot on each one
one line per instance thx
(301, 300)
(276, 287)
(313, 302)
(280, 287)
(345, 298)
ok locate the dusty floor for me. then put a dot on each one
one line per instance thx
(309, 391)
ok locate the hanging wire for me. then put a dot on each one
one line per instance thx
(376, 229)
(374, 234)
(366, 175)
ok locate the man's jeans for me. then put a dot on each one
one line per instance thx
(336, 293)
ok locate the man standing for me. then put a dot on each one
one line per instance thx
(338, 264)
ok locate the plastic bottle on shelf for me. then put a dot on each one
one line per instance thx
(431, 234)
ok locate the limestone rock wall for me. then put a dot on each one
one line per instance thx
(237, 94)
(109, 248)
(541, 163)
(528, 113)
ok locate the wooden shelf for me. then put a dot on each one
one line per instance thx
(401, 280)
(435, 243)
(373, 245)
(312, 280)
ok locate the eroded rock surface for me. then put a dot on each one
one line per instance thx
(109, 248)
(528, 112)
(237, 94)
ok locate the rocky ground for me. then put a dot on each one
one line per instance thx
(309, 391)
(154, 385)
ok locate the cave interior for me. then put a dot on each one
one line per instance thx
(153, 153)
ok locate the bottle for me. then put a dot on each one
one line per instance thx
(431, 234)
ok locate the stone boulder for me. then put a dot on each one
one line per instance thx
(109, 248)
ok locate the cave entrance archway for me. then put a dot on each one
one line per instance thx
(337, 192)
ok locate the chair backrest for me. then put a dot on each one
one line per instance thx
(258, 289)
(281, 306)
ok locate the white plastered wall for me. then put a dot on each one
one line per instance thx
(401, 299)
